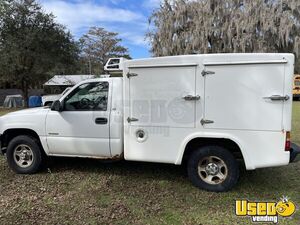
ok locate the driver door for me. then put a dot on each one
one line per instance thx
(82, 128)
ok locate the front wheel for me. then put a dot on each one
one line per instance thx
(24, 155)
(213, 168)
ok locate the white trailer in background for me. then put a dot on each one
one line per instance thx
(208, 111)
(58, 85)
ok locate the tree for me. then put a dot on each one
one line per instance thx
(97, 46)
(31, 44)
(297, 65)
(212, 26)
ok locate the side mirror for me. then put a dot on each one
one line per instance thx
(57, 106)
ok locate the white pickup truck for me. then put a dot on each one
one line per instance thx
(209, 112)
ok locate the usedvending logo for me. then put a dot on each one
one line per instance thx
(265, 211)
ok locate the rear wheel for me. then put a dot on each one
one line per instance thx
(24, 155)
(213, 168)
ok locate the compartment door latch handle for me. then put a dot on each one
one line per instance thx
(278, 98)
(131, 75)
(129, 120)
(204, 121)
(191, 98)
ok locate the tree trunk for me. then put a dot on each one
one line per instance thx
(25, 92)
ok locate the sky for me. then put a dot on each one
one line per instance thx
(129, 18)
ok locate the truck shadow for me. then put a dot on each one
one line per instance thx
(261, 180)
(128, 168)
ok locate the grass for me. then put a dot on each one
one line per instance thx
(4, 111)
(296, 122)
(82, 191)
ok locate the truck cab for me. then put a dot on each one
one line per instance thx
(88, 121)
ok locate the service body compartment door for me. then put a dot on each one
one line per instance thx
(157, 96)
(158, 116)
(238, 97)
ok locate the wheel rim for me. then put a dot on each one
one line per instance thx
(212, 170)
(23, 156)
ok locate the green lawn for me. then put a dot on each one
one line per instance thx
(81, 191)
(4, 111)
(296, 122)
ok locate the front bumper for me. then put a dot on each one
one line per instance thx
(2, 150)
(295, 151)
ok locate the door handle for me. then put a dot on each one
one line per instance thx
(101, 120)
(278, 98)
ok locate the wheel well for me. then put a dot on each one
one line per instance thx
(222, 142)
(9, 134)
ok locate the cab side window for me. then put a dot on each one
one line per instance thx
(88, 97)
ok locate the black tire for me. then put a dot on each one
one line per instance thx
(204, 155)
(33, 145)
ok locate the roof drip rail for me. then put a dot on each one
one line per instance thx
(280, 61)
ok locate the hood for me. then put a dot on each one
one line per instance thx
(28, 111)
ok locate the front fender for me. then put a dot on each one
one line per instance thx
(33, 119)
(29, 120)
